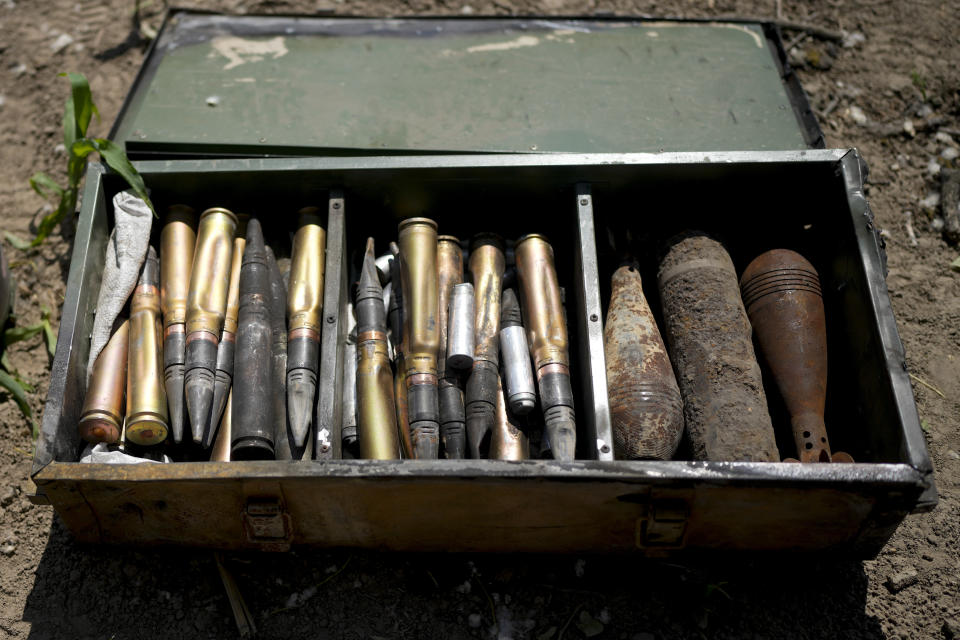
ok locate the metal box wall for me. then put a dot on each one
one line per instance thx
(810, 200)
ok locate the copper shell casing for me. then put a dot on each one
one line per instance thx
(376, 411)
(101, 419)
(232, 310)
(210, 275)
(449, 273)
(305, 295)
(418, 272)
(147, 420)
(487, 266)
(507, 442)
(540, 298)
(177, 242)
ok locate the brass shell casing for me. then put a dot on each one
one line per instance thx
(220, 452)
(233, 291)
(210, 275)
(418, 271)
(146, 396)
(507, 442)
(400, 400)
(487, 265)
(376, 410)
(177, 242)
(540, 296)
(305, 296)
(449, 273)
(102, 417)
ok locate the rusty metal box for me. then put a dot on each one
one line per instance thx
(808, 199)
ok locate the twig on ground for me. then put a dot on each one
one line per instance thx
(928, 385)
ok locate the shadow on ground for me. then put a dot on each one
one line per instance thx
(84, 591)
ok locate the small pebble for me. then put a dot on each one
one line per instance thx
(934, 540)
(62, 42)
(897, 582)
(950, 153)
(953, 454)
(8, 549)
(927, 557)
(857, 115)
(909, 128)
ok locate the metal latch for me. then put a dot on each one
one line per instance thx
(267, 524)
(665, 523)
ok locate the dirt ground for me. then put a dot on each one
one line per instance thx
(900, 61)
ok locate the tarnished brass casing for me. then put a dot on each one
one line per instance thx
(305, 295)
(376, 412)
(400, 399)
(486, 266)
(507, 442)
(540, 295)
(449, 273)
(146, 398)
(177, 242)
(233, 289)
(210, 275)
(102, 417)
(418, 271)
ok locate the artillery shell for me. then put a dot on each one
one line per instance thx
(146, 396)
(101, 419)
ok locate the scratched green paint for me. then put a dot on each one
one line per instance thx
(672, 87)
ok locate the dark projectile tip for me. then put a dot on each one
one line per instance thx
(300, 395)
(198, 389)
(221, 391)
(173, 378)
(255, 250)
(369, 285)
(509, 310)
(150, 271)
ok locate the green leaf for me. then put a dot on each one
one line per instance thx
(48, 335)
(17, 334)
(79, 109)
(45, 186)
(20, 397)
(52, 219)
(117, 160)
(16, 242)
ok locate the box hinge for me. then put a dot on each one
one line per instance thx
(267, 524)
(665, 522)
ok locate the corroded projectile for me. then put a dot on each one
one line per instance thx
(781, 292)
(449, 394)
(304, 310)
(177, 241)
(547, 338)
(486, 267)
(285, 447)
(206, 309)
(517, 372)
(711, 349)
(101, 419)
(646, 410)
(252, 414)
(460, 330)
(376, 412)
(146, 397)
(226, 350)
(508, 441)
(421, 336)
(348, 420)
(220, 451)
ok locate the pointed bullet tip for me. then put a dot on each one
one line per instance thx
(199, 396)
(300, 396)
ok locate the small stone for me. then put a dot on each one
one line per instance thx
(897, 582)
(857, 115)
(8, 495)
(909, 128)
(466, 10)
(8, 549)
(933, 167)
(949, 153)
(927, 557)
(932, 539)
(589, 625)
(953, 454)
(932, 201)
(19, 70)
(474, 620)
(945, 138)
(851, 40)
(63, 41)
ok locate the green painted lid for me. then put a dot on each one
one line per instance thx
(240, 85)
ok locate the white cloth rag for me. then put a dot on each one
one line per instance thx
(126, 251)
(101, 453)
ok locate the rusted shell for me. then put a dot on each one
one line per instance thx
(507, 441)
(781, 291)
(708, 335)
(645, 406)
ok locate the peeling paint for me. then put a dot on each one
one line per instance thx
(519, 43)
(240, 51)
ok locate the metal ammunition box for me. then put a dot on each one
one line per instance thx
(807, 199)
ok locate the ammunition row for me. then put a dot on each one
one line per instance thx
(445, 367)
(717, 396)
(215, 315)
